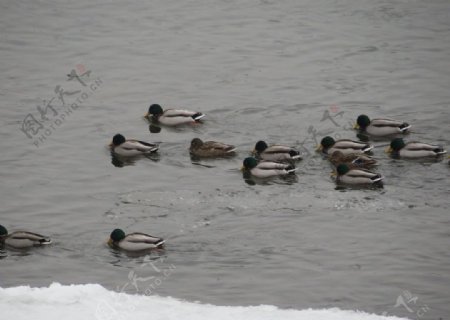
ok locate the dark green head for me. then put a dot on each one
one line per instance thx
(261, 146)
(155, 110)
(3, 231)
(117, 235)
(118, 139)
(363, 121)
(342, 169)
(327, 142)
(250, 163)
(397, 144)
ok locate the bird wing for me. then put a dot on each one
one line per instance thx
(138, 237)
(218, 146)
(386, 123)
(269, 165)
(25, 235)
(179, 113)
(139, 146)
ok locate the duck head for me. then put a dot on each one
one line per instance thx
(326, 143)
(362, 122)
(155, 110)
(117, 140)
(196, 142)
(342, 169)
(260, 146)
(396, 145)
(116, 235)
(3, 231)
(249, 163)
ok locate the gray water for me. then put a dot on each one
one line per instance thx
(266, 70)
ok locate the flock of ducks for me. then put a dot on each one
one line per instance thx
(351, 159)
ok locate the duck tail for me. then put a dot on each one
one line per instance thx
(367, 148)
(159, 243)
(440, 151)
(290, 169)
(295, 154)
(45, 241)
(377, 178)
(404, 127)
(198, 116)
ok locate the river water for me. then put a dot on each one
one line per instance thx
(282, 71)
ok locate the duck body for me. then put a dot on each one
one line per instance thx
(209, 149)
(353, 160)
(173, 117)
(136, 241)
(414, 149)
(267, 169)
(381, 127)
(276, 153)
(22, 239)
(131, 148)
(346, 175)
(328, 145)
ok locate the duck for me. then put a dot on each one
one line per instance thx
(352, 160)
(207, 149)
(172, 117)
(414, 149)
(347, 175)
(266, 169)
(22, 239)
(130, 148)
(328, 145)
(276, 153)
(134, 241)
(381, 127)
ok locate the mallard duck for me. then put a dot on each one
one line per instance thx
(275, 152)
(266, 169)
(414, 149)
(381, 127)
(130, 148)
(346, 175)
(328, 145)
(353, 160)
(172, 117)
(205, 149)
(134, 241)
(22, 239)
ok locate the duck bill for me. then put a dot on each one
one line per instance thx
(253, 152)
(319, 147)
(146, 115)
(109, 242)
(356, 126)
(388, 150)
(242, 168)
(110, 144)
(333, 174)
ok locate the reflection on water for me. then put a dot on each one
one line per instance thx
(121, 161)
(286, 71)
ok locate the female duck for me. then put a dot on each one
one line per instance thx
(134, 241)
(22, 239)
(381, 127)
(172, 117)
(276, 152)
(130, 148)
(414, 150)
(266, 169)
(328, 145)
(346, 175)
(209, 149)
(352, 160)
